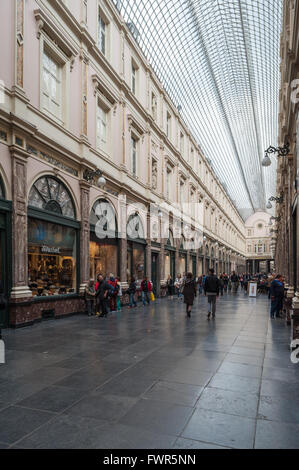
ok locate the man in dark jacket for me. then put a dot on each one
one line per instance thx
(276, 294)
(235, 280)
(103, 289)
(211, 288)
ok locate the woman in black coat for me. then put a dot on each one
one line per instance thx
(189, 292)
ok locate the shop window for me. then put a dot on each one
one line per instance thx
(51, 258)
(51, 195)
(135, 227)
(103, 240)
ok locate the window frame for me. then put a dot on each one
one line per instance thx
(47, 47)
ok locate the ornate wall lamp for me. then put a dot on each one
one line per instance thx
(91, 175)
(281, 152)
(278, 200)
(277, 219)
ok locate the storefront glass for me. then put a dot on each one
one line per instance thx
(103, 257)
(167, 264)
(182, 264)
(138, 261)
(51, 258)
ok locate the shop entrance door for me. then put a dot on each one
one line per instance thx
(172, 266)
(155, 257)
(3, 273)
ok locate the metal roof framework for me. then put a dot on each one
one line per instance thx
(219, 60)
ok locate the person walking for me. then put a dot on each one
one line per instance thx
(132, 290)
(118, 295)
(102, 292)
(212, 286)
(189, 292)
(90, 294)
(200, 281)
(276, 294)
(146, 289)
(221, 284)
(225, 281)
(170, 287)
(178, 285)
(234, 280)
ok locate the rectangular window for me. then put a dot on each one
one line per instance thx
(192, 158)
(133, 79)
(102, 35)
(168, 125)
(134, 156)
(182, 143)
(168, 183)
(101, 127)
(52, 85)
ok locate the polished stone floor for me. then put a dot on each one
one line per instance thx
(151, 378)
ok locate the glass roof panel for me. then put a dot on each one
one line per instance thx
(219, 60)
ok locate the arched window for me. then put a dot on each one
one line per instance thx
(207, 250)
(182, 243)
(135, 228)
(50, 194)
(170, 240)
(103, 218)
(212, 253)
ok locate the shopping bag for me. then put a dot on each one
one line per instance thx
(152, 297)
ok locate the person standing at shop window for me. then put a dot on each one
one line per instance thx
(170, 287)
(102, 292)
(276, 294)
(90, 297)
(178, 285)
(132, 291)
(113, 293)
(146, 289)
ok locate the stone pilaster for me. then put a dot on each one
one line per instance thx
(20, 10)
(148, 249)
(20, 288)
(123, 247)
(84, 235)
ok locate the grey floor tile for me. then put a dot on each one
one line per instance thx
(103, 407)
(65, 432)
(235, 383)
(189, 376)
(173, 392)
(279, 409)
(245, 359)
(244, 370)
(158, 416)
(227, 401)
(182, 443)
(221, 429)
(17, 422)
(275, 435)
(285, 375)
(53, 398)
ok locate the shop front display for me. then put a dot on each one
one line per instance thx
(169, 257)
(182, 267)
(51, 258)
(52, 239)
(104, 243)
(5, 252)
(135, 248)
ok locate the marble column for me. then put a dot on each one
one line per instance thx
(84, 235)
(123, 246)
(20, 288)
(148, 249)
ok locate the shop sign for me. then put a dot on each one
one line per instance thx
(50, 249)
(252, 289)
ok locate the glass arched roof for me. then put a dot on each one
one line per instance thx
(219, 60)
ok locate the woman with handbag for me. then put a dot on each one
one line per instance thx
(189, 292)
